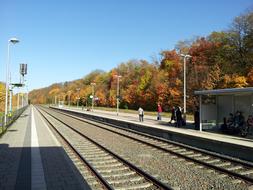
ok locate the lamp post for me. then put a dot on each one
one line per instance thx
(78, 98)
(10, 101)
(13, 41)
(18, 100)
(93, 94)
(22, 72)
(69, 98)
(118, 77)
(55, 100)
(185, 56)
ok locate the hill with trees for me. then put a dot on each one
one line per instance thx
(220, 60)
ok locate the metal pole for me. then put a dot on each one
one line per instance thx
(10, 103)
(78, 98)
(117, 95)
(18, 101)
(7, 85)
(92, 97)
(22, 89)
(22, 99)
(185, 88)
(69, 100)
(200, 112)
(27, 96)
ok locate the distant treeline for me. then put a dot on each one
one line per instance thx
(221, 60)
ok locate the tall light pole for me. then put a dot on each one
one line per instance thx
(118, 77)
(10, 101)
(55, 100)
(69, 98)
(93, 94)
(13, 41)
(78, 98)
(18, 100)
(22, 72)
(185, 56)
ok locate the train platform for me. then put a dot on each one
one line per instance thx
(32, 158)
(235, 146)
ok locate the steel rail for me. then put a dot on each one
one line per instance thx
(76, 114)
(94, 171)
(147, 176)
(223, 170)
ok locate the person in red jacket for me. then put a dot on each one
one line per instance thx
(159, 111)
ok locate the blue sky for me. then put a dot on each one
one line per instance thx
(63, 40)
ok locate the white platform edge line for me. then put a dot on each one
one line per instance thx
(49, 130)
(37, 178)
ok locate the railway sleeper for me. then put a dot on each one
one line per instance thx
(101, 154)
(136, 186)
(213, 161)
(101, 162)
(234, 168)
(194, 155)
(128, 173)
(174, 148)
(248, 172)
(223, 164)
(134, 179)
(187, 153)
(113, 170)
(88, 149)
(203, 158)
(117, 164)
(180, 150)
(100, 158)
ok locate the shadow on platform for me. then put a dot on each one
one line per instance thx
(59, 170)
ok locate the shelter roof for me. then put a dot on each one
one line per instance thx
(225, 91)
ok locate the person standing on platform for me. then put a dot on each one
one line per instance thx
(196, 118)
(173, 115)
(179, 117)
(141, 114)
(159, 112)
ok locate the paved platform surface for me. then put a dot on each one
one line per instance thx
(164, 124)
(32, 158)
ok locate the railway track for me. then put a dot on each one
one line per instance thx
(111, 170)
(238, 169)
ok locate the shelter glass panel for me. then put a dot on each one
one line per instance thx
(225, 106)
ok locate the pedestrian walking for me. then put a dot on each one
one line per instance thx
(196, 118)
(159, 112)
(141, 114)
(179, 117)
(173, 114)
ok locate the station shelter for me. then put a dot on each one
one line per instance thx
(216, 104)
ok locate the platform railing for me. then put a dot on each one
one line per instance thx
(11, 117)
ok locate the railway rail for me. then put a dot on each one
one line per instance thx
(111, 170)
(238, 169)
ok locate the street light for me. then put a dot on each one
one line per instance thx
(69, 98)
(118, 77)
(93, 94)
(78, 98)
(10, 41)
(55, 100)
(185, 56)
